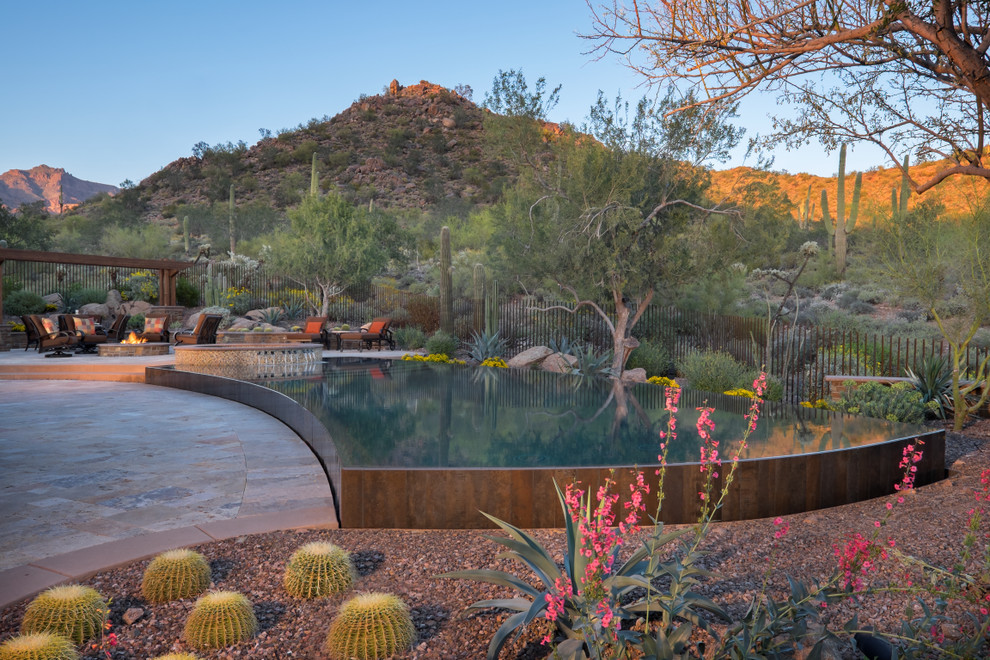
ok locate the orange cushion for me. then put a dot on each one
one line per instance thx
(376, 327)
(49, 325)
(154, 324)
(313, 327)
(85, 325)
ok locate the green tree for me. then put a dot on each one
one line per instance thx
(330, 245)
(610, 219)
(942, 263)
(28, 229)
(146, 242)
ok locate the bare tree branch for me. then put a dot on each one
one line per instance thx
(907, 75)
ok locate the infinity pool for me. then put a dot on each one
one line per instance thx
(429, 445)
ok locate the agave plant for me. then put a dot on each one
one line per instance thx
(485, 346)
(273, 315)
(583, 607)
(294, 308)
(590, 363)
(562, 345)
(934, 381)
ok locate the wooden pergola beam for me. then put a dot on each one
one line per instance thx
(168, 270)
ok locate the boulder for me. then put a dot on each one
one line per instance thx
(53, 299)
(448, 122)
(634, 376)
(560, 363)
(136, 307)
(114, 301)
(529, 357)
(98, 309)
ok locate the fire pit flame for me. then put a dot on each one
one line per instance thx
(134, 339)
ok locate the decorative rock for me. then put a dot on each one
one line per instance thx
(53, 299)
(448, 122)
(132, 615)
(136, 307)
(634, 376)
(99, 309)
(114, 301)
(559, 363)
(394, 87)
(529, 357)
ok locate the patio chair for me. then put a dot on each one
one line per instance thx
(205, 331)
(83, 326)
(31, 333)
(314, 331)
(376, 332)
(118, 329)
(49, 336)
(155, 328)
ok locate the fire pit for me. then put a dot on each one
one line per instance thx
(133, 346)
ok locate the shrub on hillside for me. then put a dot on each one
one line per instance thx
(443, 343)
(715, 371)
(651, 356)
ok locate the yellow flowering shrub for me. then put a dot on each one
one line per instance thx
(663, 381)
(439, 358)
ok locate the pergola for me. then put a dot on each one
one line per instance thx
(167, 270)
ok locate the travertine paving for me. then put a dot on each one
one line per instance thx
(85, 463)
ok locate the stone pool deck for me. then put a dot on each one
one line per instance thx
(99, 469)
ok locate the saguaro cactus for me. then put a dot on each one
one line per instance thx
(446, 284)
(806, 211)
(491, 308)
(843, 225)
(185, 233)
(898, 207)
(314, 181)
(230, 221)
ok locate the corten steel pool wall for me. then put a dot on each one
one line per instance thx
(431, 498)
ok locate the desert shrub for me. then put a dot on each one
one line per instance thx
(76, 296)
(140, 285)
(23, 302)
(186, 293)
(847, 298)
(715, 371)
(399, 316)
(861, 307)
(441, 342)
(222, 311)
(136, 322)
(237, 299)
(898, 403)
(651, 356)
(409, 338)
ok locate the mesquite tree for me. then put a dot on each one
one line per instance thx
(610, 219)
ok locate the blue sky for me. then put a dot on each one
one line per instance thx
(116, 90)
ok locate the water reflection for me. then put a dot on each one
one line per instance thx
(384, 413)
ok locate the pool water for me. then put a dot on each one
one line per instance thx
(416, 414)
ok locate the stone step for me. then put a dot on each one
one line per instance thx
(115, 372)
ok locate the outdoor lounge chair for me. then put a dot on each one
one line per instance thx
(49, 336)
(155, 328)
(314, 331)
(376, 332)
(118, 329)
(205, 331)
(83, 326)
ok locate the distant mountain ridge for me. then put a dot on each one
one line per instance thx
(57, 188)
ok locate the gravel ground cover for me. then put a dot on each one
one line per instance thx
(930, 524)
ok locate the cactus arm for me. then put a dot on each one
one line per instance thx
(826, 218)
(840, 193)
(905, 189)
(854, 209)
(314, 181)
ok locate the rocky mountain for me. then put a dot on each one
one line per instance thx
(410, 147)
(420, 146)
(57, 188)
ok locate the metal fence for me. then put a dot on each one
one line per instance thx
(800, 356)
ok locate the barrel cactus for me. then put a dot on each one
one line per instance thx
(318, 569)
(372, 625)
(220, 618)
(38, 646)
(70, 610)
(175, 574)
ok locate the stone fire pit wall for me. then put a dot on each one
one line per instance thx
(247, 355)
